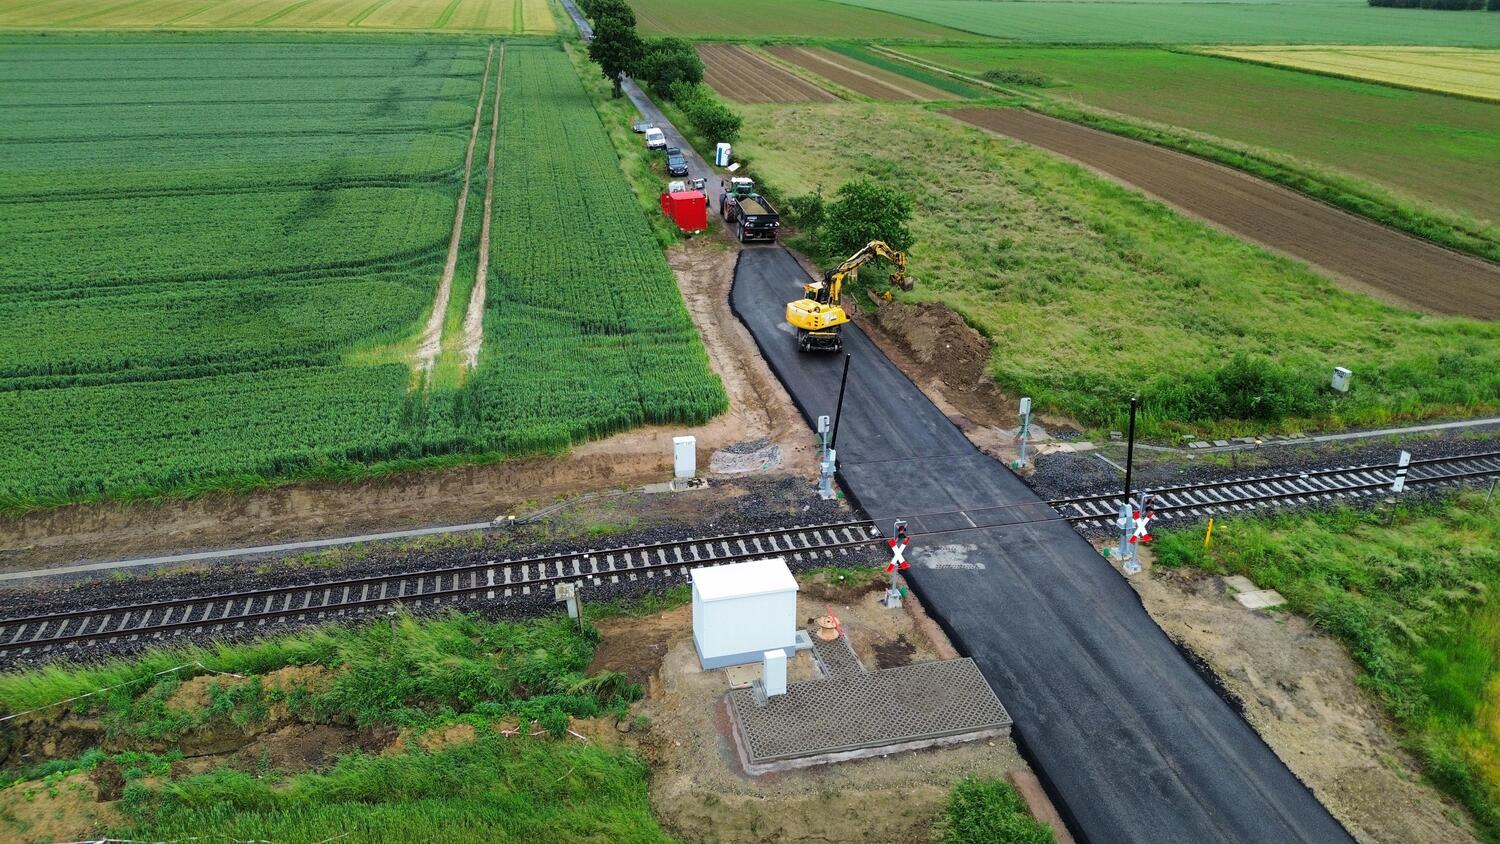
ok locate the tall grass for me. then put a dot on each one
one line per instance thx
(492, 789)
(988, 811)
(1415, 595)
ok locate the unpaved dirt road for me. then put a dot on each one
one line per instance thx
(857, 76)
(742, 76)
(1364, 255)
(473, 337)
(431, 343)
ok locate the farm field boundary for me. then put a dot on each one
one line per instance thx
(490, 16)
(1047, 260)
(1412, 271)
(1457, 71)
(740, 75)
(1189, 22)
(727, 19)
(1275, 123)
(171, 359)
(865, 79)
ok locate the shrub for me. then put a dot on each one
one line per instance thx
(864, 210)
(712, 119)
(1013, 76)
(1247, 388)
(668, 62)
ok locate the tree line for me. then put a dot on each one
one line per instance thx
(669, 67)
(1448, 5)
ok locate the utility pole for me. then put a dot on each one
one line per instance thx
(829, 437)
(838, 411)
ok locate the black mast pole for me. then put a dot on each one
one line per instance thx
(838, 412)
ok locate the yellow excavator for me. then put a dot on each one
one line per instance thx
(817, 316)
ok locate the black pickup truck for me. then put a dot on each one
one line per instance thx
(748, 212)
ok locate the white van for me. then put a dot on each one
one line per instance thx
(656, 138)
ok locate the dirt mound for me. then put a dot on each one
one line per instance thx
(635, 646)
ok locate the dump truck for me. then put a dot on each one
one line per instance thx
(748, 214)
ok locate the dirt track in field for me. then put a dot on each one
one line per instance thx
(742, 76)
(1361, 254)
(432, 334)
(474, 318)
(857, 76)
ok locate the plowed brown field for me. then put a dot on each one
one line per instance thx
(745, 77)
(1353, 250)
(857, 76)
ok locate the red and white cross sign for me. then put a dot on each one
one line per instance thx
(1142, 532)
(898, 555)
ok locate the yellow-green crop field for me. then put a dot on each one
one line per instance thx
(501, 16)
(1449, 70)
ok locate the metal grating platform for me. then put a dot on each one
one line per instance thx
(894, 706)
(836, 658)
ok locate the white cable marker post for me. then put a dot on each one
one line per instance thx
(1402, 464)
(897, 564)
(1025, 432)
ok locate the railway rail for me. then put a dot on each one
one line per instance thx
(1192, 501)
(234, 612)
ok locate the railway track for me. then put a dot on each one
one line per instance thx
(311, 603)
(1253, 493)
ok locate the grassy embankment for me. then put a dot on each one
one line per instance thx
(457, 676)
(1422, 162)
(1090, 292)
(1415, 594)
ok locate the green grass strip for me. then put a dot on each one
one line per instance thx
(1347, 194)
(447, 14)
(936, 80)
(274, 16)
(517, 19)
(368, 10)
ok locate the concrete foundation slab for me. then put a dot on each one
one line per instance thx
(1260, 599)
(864, 714)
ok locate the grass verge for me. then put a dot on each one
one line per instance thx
(458, 671)
(1415, 594)
(988, 811)
(1089, 292)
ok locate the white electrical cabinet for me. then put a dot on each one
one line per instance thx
(742, 610)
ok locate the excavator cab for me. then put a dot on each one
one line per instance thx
(817, 316)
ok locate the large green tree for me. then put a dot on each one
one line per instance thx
(864, 210)
(616, 49)
(666, 62)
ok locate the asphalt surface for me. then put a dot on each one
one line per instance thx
(1132, 742)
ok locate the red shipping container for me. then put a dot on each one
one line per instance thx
(688, 209)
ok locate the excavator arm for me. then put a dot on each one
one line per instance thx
(833, 280)
(817, 316)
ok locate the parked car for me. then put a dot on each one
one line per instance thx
(671, 151)
(677, 165)
(641, 127)
(656, 138)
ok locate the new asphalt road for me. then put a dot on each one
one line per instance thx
(1130, 739)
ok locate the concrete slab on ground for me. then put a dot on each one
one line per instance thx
(866, 713)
